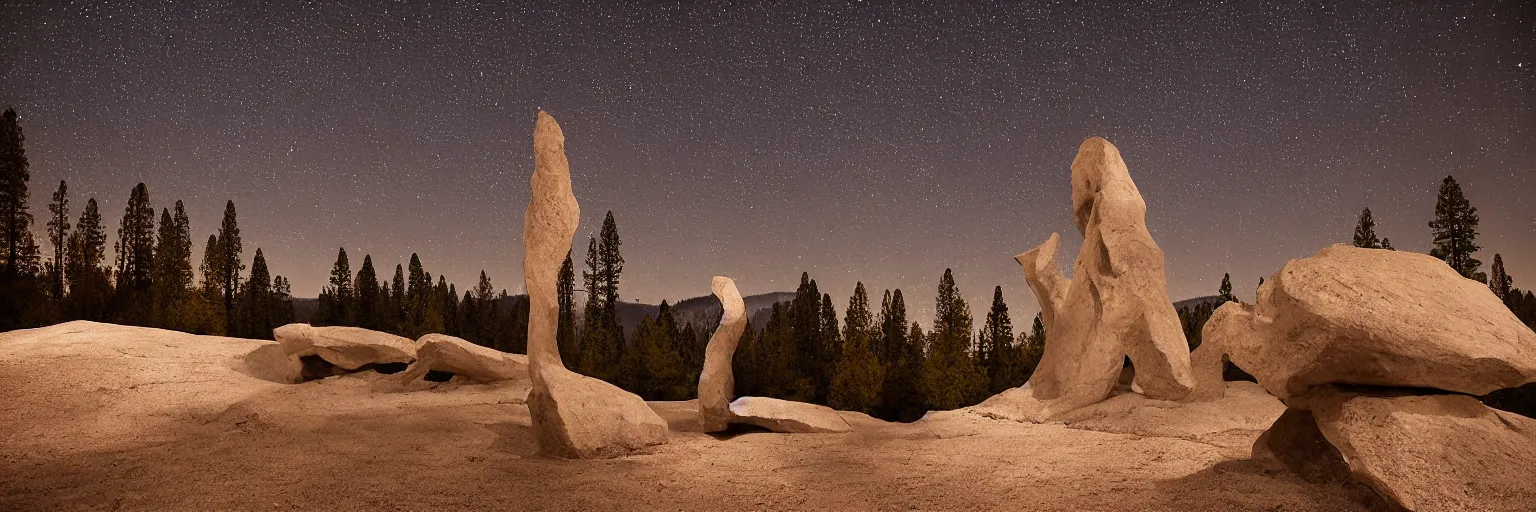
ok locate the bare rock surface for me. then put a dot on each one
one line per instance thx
(349, 348)
(1115, 305)
(102, 417)
(574, 416)
(473, 363)
(717, 383)
(1433, 452)
(1378, 318)
(787, 416)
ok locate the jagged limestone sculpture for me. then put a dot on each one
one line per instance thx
(574, 416)
(471, 362)
(1115, 305)
(717, 384)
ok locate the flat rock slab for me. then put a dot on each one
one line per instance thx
(580, 417)
(348, 348)
(1372, 317)
(787, 417)
(474, 363)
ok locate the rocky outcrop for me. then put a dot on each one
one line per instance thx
(348, 348)
(1374, 317)
(1420, 452)
(573, 416)
(471, 362)
(787, 416)
(1115, 305)
(1366, 347)
(717, 383)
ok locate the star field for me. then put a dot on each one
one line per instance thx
(870, 141)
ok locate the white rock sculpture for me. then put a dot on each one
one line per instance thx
(348, 348)
(474, 363)
(717, 383)
(573, 416)
(1115, 305)
(1374, 317)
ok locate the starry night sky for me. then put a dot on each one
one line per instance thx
(870, 141)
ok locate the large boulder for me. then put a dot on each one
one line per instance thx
(717, 383)
(348, 348)
(474, 363)
(1421, 452)
(1115, 305)
(573, 416)
(1372, 317)
(787, 416)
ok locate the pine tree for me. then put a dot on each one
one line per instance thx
(1386, 243)
(860, 375)
(1455, 231)
(612, 265)
(1225, 291)
(173, 269)
(229, 263)
(15, 222)
(397, 302)
(1365, 231)
(483, 313)
(135, 259)
(58, 235)
(341, 306)
(599, 352)
(1499, 281)
(1003, 363)
(565, 291)
(419, 294)
(950, 378)
(366, 304)
(1034, 347)
(256, 301)
(89, 280)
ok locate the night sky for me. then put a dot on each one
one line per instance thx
(862, 142)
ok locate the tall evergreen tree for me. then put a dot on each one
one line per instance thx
(172, 272)
(15, 222)
(1455, 231)
(256, 301)
(135, 258)
(58, 235)
(88, 278)
(1225, 291)
(1003, 363)
(340, 309)
(950, 378)
(1365, 231)
(1499, 280)
(860, 374)
(230, 266)
(366, 303)
(565, 291)
(599, 351)
(397, 301)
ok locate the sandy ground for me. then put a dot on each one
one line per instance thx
(116, 418)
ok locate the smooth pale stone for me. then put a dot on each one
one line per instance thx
(717, 383)
(443, 353)
(1420, 452)
(787, 416)
(1374, 317)
(574, 416)
(1115, 305)
(348, 348)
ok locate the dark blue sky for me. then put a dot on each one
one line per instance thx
(871, 141)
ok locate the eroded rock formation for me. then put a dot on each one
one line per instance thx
(1115, 305)
(573, 416)
(471, 362)
(717, 384)
(348, 348)
(1373, 317)
(1367, 348)
(787, 416)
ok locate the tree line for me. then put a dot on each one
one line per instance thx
(150, 282)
